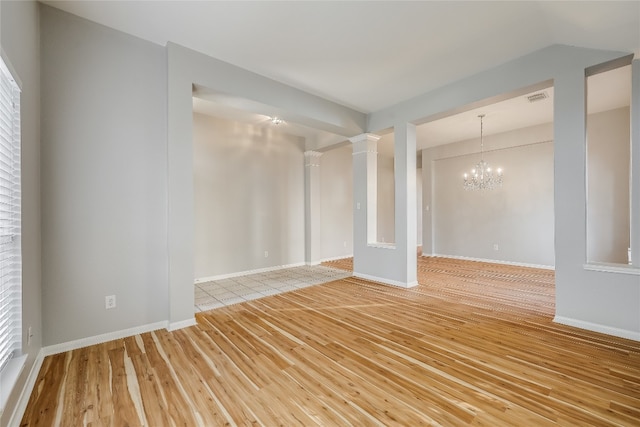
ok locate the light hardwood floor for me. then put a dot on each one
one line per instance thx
(474, 344)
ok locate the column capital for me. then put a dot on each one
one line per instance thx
(312, 158)
(369, 137)
(365, 143)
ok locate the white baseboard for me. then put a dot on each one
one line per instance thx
(244, 273)
(25, 394)
(174, 326)
(336, 258)
(312, 263)
(493, 261)
(596, 327)
(99, 339)
(386, 281)
(18, 412)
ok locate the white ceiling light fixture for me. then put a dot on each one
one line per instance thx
(276, 121)
(482, 177)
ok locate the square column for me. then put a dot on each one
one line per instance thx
(427, 202)
(372, 260)
(406, 198)
(312, 207)
(365, 188)
(635, 165)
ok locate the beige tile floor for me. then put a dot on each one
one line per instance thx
(219, 293)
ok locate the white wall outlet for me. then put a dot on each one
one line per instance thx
(496, 247)
(344, 244)
(266, 254)
(110, 302)
(358, 205)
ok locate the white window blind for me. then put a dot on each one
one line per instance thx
(10, 217)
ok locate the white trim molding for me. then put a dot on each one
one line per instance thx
(386, 281)
(244, 273)
(612, 268)
(493, 261)
(336, 258)
(381, 245)
(25, 393)
(8, 378)
(174, 326)
(595, 327)
(102, 338)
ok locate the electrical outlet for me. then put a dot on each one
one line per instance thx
(496, 247)
(345, 244)
(358, 205)
(110, 302)
(266, 254)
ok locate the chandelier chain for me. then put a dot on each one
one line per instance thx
(482, 177)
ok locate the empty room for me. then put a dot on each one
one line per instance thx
(379, 213)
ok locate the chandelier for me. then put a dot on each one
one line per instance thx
(482, 177)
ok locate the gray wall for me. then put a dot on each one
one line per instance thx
(104, 179)
(336, 206)
(249, 197)
(337, 200)
(184, 68)
(608, 186)
(584, 295)
(419, 205)
(392, 264)
(386, 200)
(19, 38)
(517, 217)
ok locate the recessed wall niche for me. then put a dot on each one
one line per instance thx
(608, 147)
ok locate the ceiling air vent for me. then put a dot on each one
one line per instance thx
(537, 96)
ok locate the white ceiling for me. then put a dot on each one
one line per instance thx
(606, 91)
(369, 55)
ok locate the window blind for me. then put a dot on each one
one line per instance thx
(10, 218)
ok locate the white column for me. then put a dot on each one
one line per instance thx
(381, 262)
(427, 202)
(312, 207)
(365, 188)
(406, 215)
(635, 165)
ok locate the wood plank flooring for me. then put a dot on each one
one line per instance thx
(474, 344)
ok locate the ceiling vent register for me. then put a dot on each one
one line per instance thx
(537, 97)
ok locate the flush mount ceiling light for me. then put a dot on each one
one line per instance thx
(276, 121)
(482, 177)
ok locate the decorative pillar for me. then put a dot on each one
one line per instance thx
(312, 207)
(372, 260)
(365, 189)
(635, 165)
(427, 202)
(406, 200)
